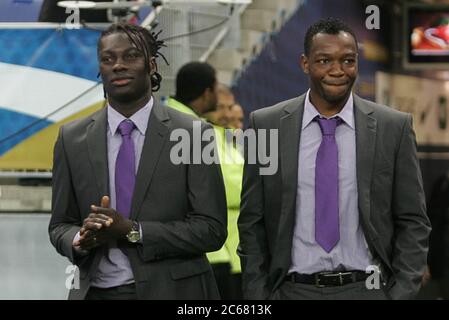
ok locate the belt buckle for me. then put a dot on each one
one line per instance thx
(317, 281)
(331, 274)
(319, 275)
(340, 276)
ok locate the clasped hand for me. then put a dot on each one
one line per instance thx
(101, 226)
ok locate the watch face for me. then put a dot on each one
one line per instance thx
(133, 236)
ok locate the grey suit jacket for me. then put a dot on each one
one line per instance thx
(181, 208)
(390, 199)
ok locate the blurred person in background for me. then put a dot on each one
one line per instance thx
(221, 116)
(228, 273)
(237, 117)
(196, 90)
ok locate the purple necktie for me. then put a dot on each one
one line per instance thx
(125, 176)
(327, 228)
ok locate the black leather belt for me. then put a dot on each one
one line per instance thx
(328, 279)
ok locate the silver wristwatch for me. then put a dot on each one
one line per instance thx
(134, 235)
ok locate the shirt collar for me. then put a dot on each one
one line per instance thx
(346, 114)
(140, 118)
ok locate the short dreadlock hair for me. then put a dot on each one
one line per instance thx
(145, 41)
(328, 26)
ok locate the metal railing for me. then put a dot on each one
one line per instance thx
(193, 33)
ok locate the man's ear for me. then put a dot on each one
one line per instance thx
(304, 62)
(153, 65)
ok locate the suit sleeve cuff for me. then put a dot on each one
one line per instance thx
(77, 249)
(141, 234)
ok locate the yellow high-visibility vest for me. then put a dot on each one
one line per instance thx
(232, 162)
(175, 104)
(232, 170)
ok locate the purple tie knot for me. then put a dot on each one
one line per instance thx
(126, 127)
(328, 126)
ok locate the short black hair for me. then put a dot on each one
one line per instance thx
(145, 41)
(192, 79)
(327, 26)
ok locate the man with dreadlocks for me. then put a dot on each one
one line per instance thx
(136, 225)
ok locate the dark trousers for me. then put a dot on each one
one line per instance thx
(126, 292)
(236, 287)
(229, 284)
(353, 291)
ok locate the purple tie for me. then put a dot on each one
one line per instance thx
(125, 176)
(327, 228)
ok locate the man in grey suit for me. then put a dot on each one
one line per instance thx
(348, 197)
(136, 225)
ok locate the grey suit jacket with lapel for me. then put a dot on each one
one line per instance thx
(181, 208)
(391, 200)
